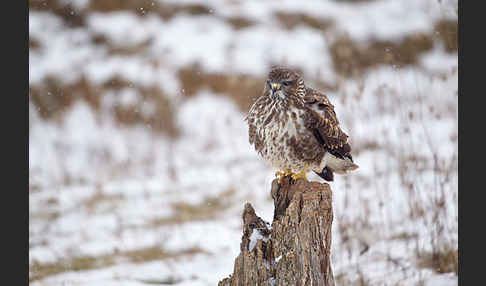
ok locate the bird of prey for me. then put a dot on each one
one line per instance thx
(295, 129)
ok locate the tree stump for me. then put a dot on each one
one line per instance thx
(295, 249)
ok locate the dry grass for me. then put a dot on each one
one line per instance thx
(209, 208)
(71, 17)
(40, 271)
(144, 7)
(53, 98)
(171, 280)
(125, 50)
(368, 145)
(405, 236)
(99, 198)
(243, 89)
(443, 261)
(34, 43)
(344, 279)
(291, 20)
(447, 32)
(166, 11)
(352, 59)
(76, 18)
(161, 120)
(238, 23)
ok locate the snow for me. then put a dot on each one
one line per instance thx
(442, 280)
(254, 237)
(99, 188)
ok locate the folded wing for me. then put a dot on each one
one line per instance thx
(322, 121)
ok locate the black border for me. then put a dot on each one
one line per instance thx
(470, 145)
(14, 118)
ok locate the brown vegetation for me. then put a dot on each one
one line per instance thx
(243, 89)
(42, 270)
(239, 23)
(209, 208)
(34, 43)
(447, 32)
(70, 16)
(76, 17)
(443, 261)
(53, 98)
(352, 59)
(99, 198)
(291, 20)
(143, 7)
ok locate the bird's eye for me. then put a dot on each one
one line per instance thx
(287, 82)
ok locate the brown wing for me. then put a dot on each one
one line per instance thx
(322, 121)
(253, 115)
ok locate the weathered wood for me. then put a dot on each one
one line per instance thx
(295, 250)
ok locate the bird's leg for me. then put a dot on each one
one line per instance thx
(300, 175)
(283, 174)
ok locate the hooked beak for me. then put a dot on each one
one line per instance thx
(274, 86)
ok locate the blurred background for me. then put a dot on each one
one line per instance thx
(139, 160)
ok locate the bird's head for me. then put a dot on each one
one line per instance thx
(284, 83)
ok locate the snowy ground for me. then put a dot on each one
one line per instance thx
(112, 203)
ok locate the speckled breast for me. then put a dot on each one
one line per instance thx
(284, 140)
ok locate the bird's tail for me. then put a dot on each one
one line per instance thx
(341, 166)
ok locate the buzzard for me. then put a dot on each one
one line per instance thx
(295, 129)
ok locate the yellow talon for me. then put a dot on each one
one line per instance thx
(284, 174)
(300, 175)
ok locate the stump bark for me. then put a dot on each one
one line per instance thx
(295, 248)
